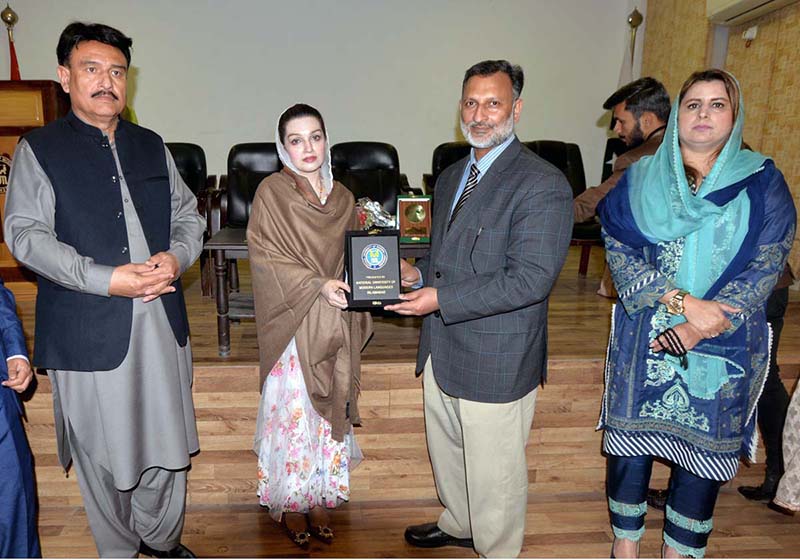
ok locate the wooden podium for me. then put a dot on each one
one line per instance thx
(24, 105)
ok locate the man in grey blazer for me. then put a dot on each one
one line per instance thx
(502, 224)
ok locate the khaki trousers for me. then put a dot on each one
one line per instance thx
(478, 456)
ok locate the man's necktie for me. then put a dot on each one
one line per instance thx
(472, 182)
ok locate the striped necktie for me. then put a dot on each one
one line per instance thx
(472, 182)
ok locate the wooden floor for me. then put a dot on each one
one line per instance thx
(393, 487)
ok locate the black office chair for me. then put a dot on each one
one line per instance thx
(567, 157)
(248, 164)
(370, 169)
(444, 155)
(190, 159)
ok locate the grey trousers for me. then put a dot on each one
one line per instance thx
(152, 511)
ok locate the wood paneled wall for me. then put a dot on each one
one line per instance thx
(676, 41)
(769, 73)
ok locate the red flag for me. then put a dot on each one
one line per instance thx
(14, 63)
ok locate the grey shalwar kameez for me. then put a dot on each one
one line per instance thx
(130, 430)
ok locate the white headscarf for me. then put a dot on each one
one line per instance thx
(326, 173)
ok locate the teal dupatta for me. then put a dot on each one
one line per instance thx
(706, 236)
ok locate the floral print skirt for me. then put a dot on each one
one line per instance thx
(788, 495)
(299, 465)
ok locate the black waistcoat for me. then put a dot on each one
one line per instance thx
(85, 332)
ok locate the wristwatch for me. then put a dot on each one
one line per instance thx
(675, 303)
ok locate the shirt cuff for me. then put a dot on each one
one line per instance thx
(98, 279)
(421, 282)
(18, 356)
(183, 255)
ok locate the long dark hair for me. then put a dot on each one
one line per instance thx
(297, 111)
(732, 89)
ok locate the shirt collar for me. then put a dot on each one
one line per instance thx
(486, 161)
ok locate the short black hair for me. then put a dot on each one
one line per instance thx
(295, 112)
(78, 32)
(644, 94)
(489, 67)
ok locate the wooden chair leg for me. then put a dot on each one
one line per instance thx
(583, 267)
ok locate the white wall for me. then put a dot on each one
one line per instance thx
(219, 72)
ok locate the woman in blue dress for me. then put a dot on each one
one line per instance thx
(696, 237)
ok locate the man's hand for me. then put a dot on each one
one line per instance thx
(419, 302)
(409, 275)
(142, 280)
(19, 374)
(165, 262)
(707, 316)
(162, 262)
(333, 292)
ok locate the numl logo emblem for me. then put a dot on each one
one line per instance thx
(374, 256)
(5, 171)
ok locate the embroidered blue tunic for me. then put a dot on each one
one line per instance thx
(651, 405)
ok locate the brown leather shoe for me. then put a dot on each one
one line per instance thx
(428, 535)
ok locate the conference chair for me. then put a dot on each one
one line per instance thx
(248, 164)
(444, 155)
(190, 159)
(370, 169)
(567, 157)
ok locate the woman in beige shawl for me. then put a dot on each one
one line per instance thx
(309, 345)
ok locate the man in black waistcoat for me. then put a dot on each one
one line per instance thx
(97, 209)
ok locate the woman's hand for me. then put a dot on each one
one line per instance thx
(707, 316)
(333, 292)
(689, 336)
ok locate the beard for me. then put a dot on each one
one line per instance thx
(500, 132)
(635, 138)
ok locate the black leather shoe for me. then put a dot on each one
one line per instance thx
(179, 551)
(428, 535)
(757, 493)
(657, 499)
(763, 493)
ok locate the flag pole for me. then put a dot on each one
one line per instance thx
(10, 18)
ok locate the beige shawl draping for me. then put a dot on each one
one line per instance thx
(295, 246)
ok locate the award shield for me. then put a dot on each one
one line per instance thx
(414, 219)
(372, 268)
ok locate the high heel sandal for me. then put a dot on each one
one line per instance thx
(301, 539)
(321, 532)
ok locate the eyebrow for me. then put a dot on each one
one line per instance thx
(712, 99)
(84, 62)
(300, 133)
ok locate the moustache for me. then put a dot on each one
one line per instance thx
(480, 123)
(105, 92)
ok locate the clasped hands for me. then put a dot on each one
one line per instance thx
(704, 319)
(148, 280)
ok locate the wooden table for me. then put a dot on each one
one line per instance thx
(231, 243)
